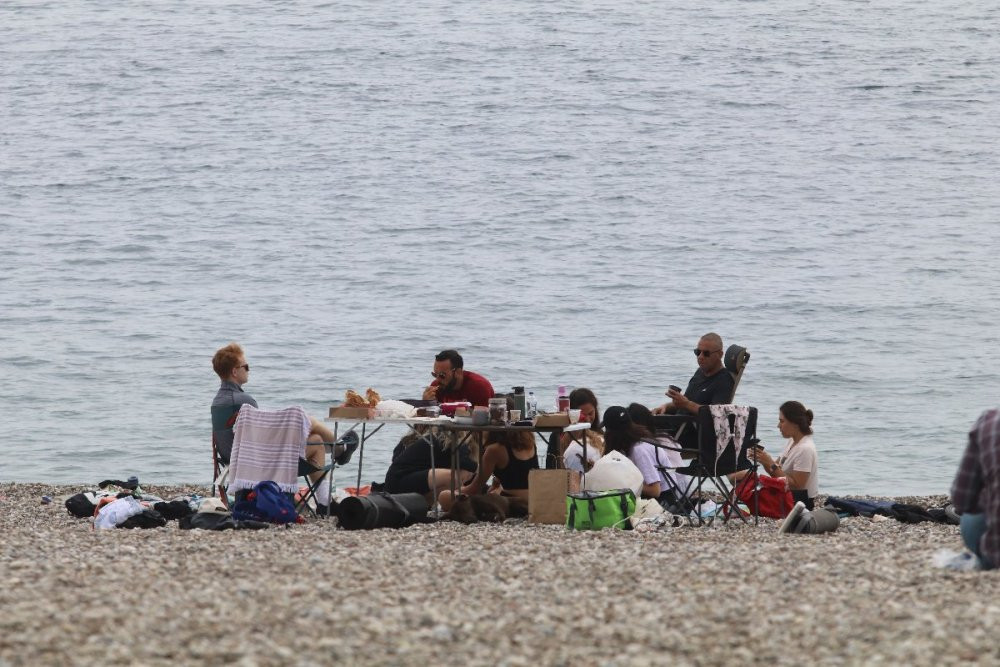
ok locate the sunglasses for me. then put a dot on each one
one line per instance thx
(245, 367)
(439, 376)
(706, 353)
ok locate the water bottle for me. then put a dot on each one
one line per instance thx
(531, 406)
(562, 400)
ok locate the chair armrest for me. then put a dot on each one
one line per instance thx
(684, 452)
(673, 422)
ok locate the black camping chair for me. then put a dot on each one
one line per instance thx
(708, 463)
(223, 421)
(680, 426)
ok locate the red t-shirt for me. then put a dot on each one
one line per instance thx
(475, 389)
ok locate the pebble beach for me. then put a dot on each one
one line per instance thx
(510, 594)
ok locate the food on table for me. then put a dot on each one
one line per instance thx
(353, 399)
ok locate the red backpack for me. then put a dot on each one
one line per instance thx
(765, 495)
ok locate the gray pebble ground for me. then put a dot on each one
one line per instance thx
(508, 594)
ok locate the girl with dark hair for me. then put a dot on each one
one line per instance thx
(571, 444)
(508, 459)
(622, 434)
(798, 462)
(668, 457)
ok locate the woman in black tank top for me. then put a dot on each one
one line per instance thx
(508, 459)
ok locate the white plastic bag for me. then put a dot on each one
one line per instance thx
(116, 512)
(614, 470)
(646, 508)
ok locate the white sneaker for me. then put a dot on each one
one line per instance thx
(791, 522)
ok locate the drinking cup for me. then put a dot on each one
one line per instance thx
(515, 416)
(574, 416)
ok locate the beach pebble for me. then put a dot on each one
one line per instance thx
(510, 594)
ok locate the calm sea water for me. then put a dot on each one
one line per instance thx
(567, 192)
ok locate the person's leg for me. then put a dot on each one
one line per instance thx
(972, 527)
(320, 433)
(440, 478)
(445, 499)
(316, 455)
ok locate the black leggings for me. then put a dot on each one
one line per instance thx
(803, 495)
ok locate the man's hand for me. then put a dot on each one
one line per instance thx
(676, 396)
(662, 409)
(430, 393)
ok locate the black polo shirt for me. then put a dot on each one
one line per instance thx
(716, 389)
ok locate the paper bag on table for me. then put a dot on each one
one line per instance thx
(547, 490)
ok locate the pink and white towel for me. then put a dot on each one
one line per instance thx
(267, 445)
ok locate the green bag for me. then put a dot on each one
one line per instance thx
(593, 510)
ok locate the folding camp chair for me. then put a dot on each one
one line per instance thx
(223, 421)
(680, 426)
(723, 448)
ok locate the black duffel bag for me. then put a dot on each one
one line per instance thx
(382, 510)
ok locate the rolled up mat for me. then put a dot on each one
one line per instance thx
(382, 510)
(819, 521)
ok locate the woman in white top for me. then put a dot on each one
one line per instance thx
(797, 464)
(570, 444)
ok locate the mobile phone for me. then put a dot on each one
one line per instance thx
(675, 388)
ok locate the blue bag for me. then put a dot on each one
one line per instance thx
(267, 502)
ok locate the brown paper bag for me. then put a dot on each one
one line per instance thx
(547, 490)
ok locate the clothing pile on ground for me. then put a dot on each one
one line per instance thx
(900, 511)
(118, 504)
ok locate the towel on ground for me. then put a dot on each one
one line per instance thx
(267, 445)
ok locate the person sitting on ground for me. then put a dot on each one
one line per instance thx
(571, 444)
(668, 459)
(453, 383)
(508, 458)
(975, 492)
(231, 366)
(412, 470)
(711, 384)
(798, 462)
(623, 435)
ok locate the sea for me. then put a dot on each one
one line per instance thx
(566, 192)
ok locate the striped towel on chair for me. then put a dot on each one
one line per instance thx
(267, 445)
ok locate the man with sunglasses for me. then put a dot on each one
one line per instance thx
(231, 366)
(711, 384)
(453, 383)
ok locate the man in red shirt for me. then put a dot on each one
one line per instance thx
(453, 383)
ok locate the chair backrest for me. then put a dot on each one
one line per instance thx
(223, 419)
(268, 445)
(735, 361)
(731, 459)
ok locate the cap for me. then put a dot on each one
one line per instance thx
(616, 417)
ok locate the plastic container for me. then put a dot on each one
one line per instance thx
(498, 411)
(480, 415)
(562, 400)
(530, 406)
(449, 409)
